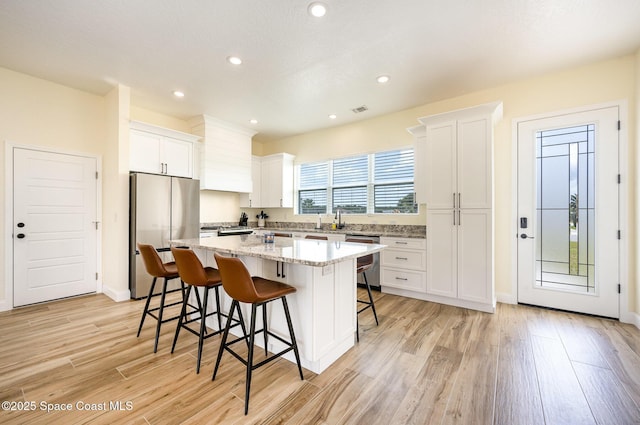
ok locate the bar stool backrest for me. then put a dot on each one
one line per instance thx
(366, 260)
(189, 267)
(236, 280)
(320, 238)
(152, 261)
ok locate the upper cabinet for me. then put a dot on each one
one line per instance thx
(253, 199)
(277, 181)
(453, 158)
(225, 155)
(158, 150)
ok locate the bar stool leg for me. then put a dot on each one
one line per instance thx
(218, 313)
(252, 334)
(223, 343)
(203, 326)
(373, 306)
(183, 313)
(146, 305)
(293, 337)
(264, 327)
(162, 297)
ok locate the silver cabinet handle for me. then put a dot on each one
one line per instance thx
(401, 258)
(459, 200)
(401, 278)
(454, 200)
(454, 217)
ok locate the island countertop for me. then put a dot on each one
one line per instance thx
(310, 252)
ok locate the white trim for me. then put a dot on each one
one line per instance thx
(625, 315)
(117, 296)
(7, 303)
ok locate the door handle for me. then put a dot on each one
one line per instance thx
(525, 236)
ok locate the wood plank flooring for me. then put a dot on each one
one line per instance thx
(424, 364)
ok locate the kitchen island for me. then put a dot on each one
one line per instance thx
(323, 310)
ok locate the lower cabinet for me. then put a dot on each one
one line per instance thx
(460, 258)
(403, 265)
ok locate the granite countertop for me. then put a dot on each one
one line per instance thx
(393, 233)
(311, 252)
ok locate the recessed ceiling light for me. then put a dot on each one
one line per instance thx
(317, 9)
(178, 93)
(254, 121)
(383, 79)
(333, 116)
(234, 60)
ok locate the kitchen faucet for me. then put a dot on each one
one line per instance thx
(339, 218)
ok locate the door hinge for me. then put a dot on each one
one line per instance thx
(619, 235)
(96, 275)
(619, 289)
(618, 125)
(96, 175)
(619, 179)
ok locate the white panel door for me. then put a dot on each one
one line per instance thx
(441, 167)
(475, 256)
(54, 226)
(442, 253)
(474, 166)
(568, 198)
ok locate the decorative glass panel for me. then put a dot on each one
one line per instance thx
(565, 237)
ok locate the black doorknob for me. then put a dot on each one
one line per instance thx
(20, 235)
(20, 224)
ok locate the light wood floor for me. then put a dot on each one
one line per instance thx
(426, 363)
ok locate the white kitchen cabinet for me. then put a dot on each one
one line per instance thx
(253, 199)
(159, 150)
(459, 196)
(402, 266)
(276, 184)
(225, 155)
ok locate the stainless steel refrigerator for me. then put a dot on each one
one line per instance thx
(162, 208)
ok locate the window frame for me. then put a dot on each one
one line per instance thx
(370, 186)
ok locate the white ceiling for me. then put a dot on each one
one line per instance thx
(299, 69)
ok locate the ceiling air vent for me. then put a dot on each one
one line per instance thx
(360, 109)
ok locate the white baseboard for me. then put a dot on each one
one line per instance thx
(117, 296)
(5, 305)
(631, 318)
(506, 298)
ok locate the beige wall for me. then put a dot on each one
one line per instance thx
(37, 112)
(597, 83)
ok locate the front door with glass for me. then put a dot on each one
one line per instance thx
(568, 212)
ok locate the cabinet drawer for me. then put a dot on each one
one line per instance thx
(404, 259)
(404, 243)
(409, 280)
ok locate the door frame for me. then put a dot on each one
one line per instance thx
(625, 315)
(7, 303)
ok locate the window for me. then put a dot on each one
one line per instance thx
(380, 183)
(393, 182)
(312, 193)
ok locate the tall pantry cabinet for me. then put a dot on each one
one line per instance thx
(454, 156)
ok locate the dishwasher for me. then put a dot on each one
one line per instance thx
(373, 274)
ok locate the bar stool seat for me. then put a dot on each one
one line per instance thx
(257, 291)
(363, 264)
(194, 274)
(155, 267)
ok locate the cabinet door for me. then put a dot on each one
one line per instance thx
(419, 163)
(253, 199)
(442, 253)
(177, 157)
(271, 183)
(144, 152)
(475, 256)
(475, 163)
(441, 165)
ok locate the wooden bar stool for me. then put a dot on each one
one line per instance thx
(363, 264)
(194, 274)
(241, 287)
(156, 268)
